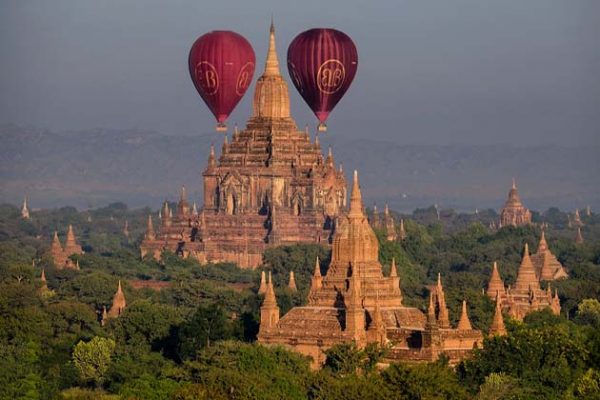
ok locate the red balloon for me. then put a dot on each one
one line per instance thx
(322, 63)
(221, 66)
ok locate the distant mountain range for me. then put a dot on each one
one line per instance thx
(142, 168)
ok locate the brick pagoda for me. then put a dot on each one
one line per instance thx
(270, 186)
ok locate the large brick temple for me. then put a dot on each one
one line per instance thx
(355, 302)
(271, 185)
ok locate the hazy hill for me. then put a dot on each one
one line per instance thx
(93, 168)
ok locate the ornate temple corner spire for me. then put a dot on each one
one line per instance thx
(555, 305)
(329, 160)
(390, 227)
(212, 161)
(262, 289)
(579, 238)
(104, 317)
(70, 238)
(395, 279)
(497, 327)
(464, 324)
(443, 316)
(316, 281)
(292, 282)
(183, 207)
(166, 215)
(44, 282)
(269, 311)
(118, 304)
(150, 234)
(431, 318)
(194, 210)
(355, 313)
(24, 209)
(402, 233)
(377, 330)
(496, 284)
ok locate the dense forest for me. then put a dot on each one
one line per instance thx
(195, 337)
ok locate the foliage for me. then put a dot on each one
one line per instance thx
(92, 358)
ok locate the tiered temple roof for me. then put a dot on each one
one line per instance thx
(61, 256)
(514, 213)
(356, 302)
(271, 185)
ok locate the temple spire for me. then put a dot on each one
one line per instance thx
(402, 233)
(211, 156)
(24, 209)
(464, 324)
(70, 237)
(496, 285)
(119, 303)
(269, 311)
(263, 283)
(393, 271)
(579, 238)
(497, 327)
(355, 199)
(292, 282)
(150, 235)
(272, 63)
(526, 276)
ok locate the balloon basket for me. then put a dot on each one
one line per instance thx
(322, 127)
(221, 127)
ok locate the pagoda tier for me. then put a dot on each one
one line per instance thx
(270, 186)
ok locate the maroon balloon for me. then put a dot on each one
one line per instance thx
(222, 66)
(322, 63)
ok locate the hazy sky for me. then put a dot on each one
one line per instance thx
(448, 71)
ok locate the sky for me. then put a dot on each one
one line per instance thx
(430, 72)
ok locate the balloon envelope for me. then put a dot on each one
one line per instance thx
(221, 65)
(322, 63)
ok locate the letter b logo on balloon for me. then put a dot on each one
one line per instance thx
(330, 76)
(207, 77)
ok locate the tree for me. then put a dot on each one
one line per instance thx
(207, 325)
(92, 359)
(588, 313)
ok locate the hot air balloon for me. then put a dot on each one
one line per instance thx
(322, 64)
(221, 66)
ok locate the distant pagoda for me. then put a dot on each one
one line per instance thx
(355, 302)
(61, 255)
(270, 186)
(25, 209)
(526, 296)
(514, 213)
